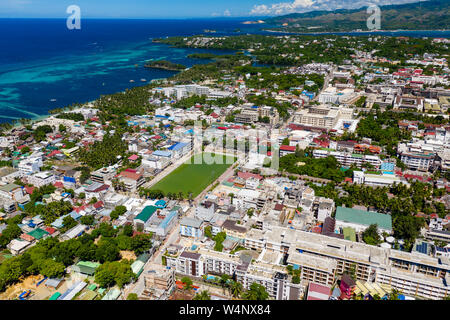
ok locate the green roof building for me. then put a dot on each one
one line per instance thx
(9, 187)
(38, 233)
(55, 296)
(146, 213)
(86, 267)
(360, 219)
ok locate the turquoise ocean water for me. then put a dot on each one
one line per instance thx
(43, 65)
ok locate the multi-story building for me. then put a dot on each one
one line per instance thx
(190, 227)
(159, 278)
(247, 116)
(325, 208)
(30, 165)
(413, 273)
(348, 159)
(102, 175)
(381, 180)
(273, 277)
(409, 103)
(189, 263)
(130, 180)
(40, 179)
(417, 159)
(321, 116)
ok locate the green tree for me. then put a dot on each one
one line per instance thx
(236, 289)
(256, 292)
(224, 280)
(371, 235)
(87, 220)
(52, 269)
(203, 295)
(132, 296)
(187, 283)
(107, 250)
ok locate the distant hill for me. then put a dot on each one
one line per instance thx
(425, 15)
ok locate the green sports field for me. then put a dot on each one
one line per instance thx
(190, 177)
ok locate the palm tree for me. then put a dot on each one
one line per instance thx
(203, 295)
(394, 295)
(236, 289)
(224, 280)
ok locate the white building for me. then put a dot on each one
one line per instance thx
(30, 165)
(40, 179)
(347, 159)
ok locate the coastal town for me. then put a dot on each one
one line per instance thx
(288, 168)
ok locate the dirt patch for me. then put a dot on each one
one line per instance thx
(13, 291)
(181, 295)
(129, 255)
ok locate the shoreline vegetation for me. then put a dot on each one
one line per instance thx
(165, 65)
(134, 100)
(202, 56)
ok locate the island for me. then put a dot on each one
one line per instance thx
(202, 56)
(166, 65)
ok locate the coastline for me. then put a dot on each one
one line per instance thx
(140, 43)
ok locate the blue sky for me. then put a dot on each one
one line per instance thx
(174, 8)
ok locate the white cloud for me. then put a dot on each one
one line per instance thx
(311, 5)
(227, 13)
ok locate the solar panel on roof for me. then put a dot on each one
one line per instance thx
(422, 248)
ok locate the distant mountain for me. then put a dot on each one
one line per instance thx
(424, 15)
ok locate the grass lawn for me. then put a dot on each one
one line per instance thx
(190, 177)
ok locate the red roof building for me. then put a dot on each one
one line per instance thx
(50, 230)
(29, 190)
(53, 153)
(248, 175)
(58, 184)
(278, 207)
(98, 205)
(318, 292)
(27, 237)
(133, 157)
(288, 148)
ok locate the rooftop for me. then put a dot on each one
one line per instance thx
(365, 218)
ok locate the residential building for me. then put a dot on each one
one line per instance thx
(190, 227)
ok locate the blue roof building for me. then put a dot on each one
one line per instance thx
(160, 204)
(161, 153)
(75, 215)
(58, 223)
(177, 146)
(166, 224)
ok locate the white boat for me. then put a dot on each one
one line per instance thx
(131, 80)
(52, 100)
(143, 80)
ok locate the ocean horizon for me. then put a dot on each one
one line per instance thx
(44, 66)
